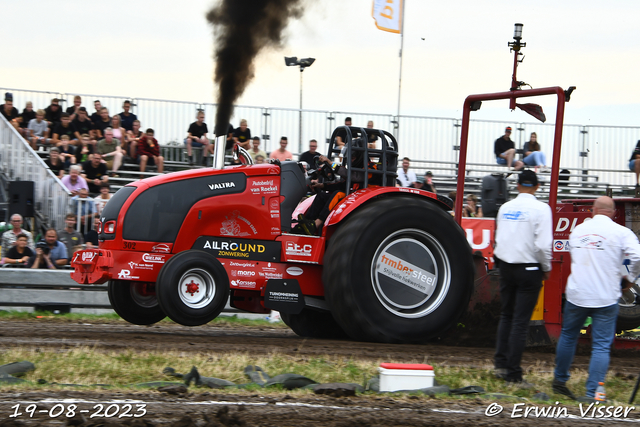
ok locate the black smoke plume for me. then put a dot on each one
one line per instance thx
(242, 28)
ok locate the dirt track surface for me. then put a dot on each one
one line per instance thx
(255, 410)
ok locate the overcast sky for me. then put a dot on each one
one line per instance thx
(163, 49)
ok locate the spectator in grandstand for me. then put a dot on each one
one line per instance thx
(103, 123)
(91, 237)
(119, 132)
(9, 237)
(54, 163)
(67, 152)
(282, 153)
(83, 125)
(197, 137)
(85, 150)
(505, 151)
(309, 155)
(102, 198)
(65, 127)
(242, 135)
(94, 171)
(341, 136)
(52, 113)
(73, 110)
(149, 152)
(407, 177)
(127, 118)
(471, 207)
(74, 182)
(85, 207)
(9, 111)
(20, 253)
(372, 138)
(427, 184)
(50, 253)
(110, 149)
(255, 150)
(229, 144)
(27, 115)
(634, 163)
(96, 117)
(259, 159)
(452, 196)
(38, 130)
(532, 154)
(132, 139)
(69, 236)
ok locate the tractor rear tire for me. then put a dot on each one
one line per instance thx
(130, 302)
(398, 270)
(629, 314)
(312, 323)
(192, 288)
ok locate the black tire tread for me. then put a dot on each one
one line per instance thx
(124, 305)
(312, 323)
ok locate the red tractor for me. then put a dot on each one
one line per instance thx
(390, 264)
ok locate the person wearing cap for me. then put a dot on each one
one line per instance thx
(598, 248)
(255, 150)
(53, 112)
(523, 247)
(428, 184)
(505, 151)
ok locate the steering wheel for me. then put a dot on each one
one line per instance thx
(325, 170)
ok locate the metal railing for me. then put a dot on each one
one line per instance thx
(18, 162)
(428, 138)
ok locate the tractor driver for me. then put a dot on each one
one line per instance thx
(328, 194)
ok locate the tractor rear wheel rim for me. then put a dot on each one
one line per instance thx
(197, 288)
(410, 273)
(141, 297)
(629, 297)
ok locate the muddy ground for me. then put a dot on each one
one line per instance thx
(215, 408)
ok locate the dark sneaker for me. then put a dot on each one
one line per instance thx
(561, 388)
(500, 373)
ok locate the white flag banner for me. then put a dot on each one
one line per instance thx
(388, 15)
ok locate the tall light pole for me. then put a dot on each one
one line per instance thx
(302, 63)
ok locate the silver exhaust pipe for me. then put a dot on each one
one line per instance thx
(218, 152)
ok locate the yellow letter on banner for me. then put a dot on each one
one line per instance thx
(387, 14)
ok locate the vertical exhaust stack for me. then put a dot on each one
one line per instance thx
(242, 28)
(218, 153)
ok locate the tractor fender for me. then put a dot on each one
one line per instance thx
(361, 197)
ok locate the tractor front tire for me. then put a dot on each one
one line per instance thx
(192, 288)
(629, 313)
(398, 270)
(134, 303)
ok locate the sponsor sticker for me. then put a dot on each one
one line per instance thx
(152, 258)
(126, 274)
(406, 273)
(561, 246)
(243, 284)
(161, 247)
(293, 248)
(257, 250)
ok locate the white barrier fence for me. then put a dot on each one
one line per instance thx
(605, 149)
(19, 162)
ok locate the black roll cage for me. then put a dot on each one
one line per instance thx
(385, 158)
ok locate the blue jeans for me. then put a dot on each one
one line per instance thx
(603, 330)
(536, 158)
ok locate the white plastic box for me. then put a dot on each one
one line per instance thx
(405, 376)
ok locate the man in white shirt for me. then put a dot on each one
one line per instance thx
(598, 248)
(523, 246)
(406, 177)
